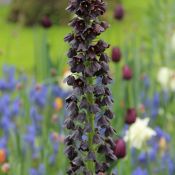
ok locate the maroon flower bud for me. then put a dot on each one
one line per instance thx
(127, 73)
(116, 54)
(119, 12)
(46, 22)
(120, 148)
(130, 116)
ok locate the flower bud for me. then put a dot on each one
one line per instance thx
(130, 116)
(116, 54)
(53, 72)
(19, 86)
(119, 12)
(120, 148)
(46, 22)
(127, 73)
(58, 104)
(5, 167)
(2, 156)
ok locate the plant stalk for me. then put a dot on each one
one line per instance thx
(91, 118)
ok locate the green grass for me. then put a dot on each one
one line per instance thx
(17, 43)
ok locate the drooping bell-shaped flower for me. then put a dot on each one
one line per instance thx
(88, 106)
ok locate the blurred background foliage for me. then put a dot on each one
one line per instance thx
(18, 42)
(31, 12)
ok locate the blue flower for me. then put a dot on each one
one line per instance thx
(168, 164)
(30, 141)
(162, 134)
(4, 103)
(38, 95)
(30, 135)
(142, 158)
(146, 82)
(39, 171)
(155, 105)
(55, 147)
(153, 152)
(35, 116)
(59, 92)
(15, 109)
(8, 83)
(7, 125)
(171, 166)
(3, 142)
(140, 171)
(147, 103)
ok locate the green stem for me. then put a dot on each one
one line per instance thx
(130, 100)
(91, 118)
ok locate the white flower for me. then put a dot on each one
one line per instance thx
(139, 133)
(163, 76)
(63, 84)
(166, 77)
(172, 82)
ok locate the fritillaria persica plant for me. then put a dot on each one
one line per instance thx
(89, 146)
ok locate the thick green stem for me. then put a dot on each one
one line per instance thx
(91, 119)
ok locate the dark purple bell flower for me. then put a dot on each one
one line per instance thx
(46, 22)
(127, 73)
(88, 64)
(116, 54)
(119, 12)
(120, 148)
(130, 116)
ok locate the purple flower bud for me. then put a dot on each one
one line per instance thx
(46, 22)
(119, 12)
(130, 116)
(127, 73)
(120, 148)
(116, 54)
